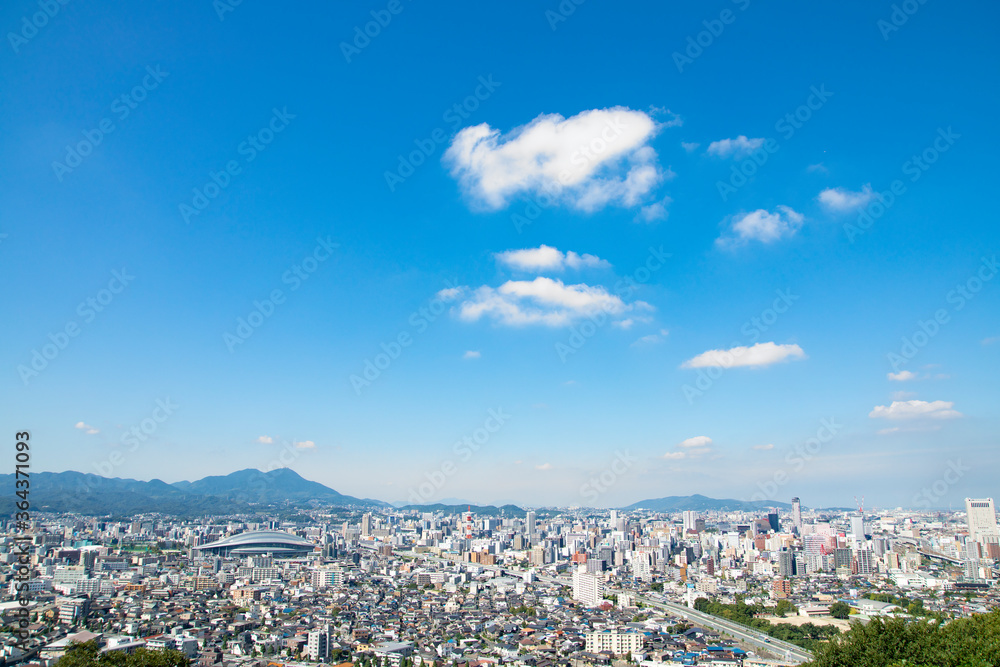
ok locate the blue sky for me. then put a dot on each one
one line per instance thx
(585, 372)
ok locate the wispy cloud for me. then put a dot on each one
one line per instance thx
(739, 147)
(544, 466)
(547, 258)
(471, 354)
(841, 200)
(902, 376)
(764, 448)
(915, 410)
(305, 444)
(265, 440)
(761, 354)
(652, 339)
(87, 428)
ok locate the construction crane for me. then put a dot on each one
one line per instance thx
(860, 504)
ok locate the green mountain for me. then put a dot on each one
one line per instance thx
(701, 503)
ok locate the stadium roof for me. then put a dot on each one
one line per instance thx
(260, 542)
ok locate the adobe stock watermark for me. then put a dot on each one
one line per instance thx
(562, 12)
(121, 107)
(362, 38)
(597, 485)
(915, 167)
(787, 125)
(132, 439)
(697, 43)
(752, 329)
(463, 450)
(929, 495)
(927, 329)
(580, 334)
(900, 14)
(796, 460)
(87, 310)
(580, 159)
(31, 24)
(249, 149)
(455, 116)
(295, 276)
(418, 321)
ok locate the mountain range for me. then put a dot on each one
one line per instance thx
(250, 491)
(701, 503)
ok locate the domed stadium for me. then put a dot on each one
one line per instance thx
(259, 543)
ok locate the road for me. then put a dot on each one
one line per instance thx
(785, 650)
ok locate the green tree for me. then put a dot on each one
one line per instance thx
(840, 610)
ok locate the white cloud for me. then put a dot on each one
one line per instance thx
(654, 212)
(543, 301)
(591, 160)
(547, 258)
(265, 440)
(674, 455)
(902, 376)
(915, 410)
(762, 225)
(764, 448)
(87, 428)
(544, 466)
(913, 429)
(449, 293)
(819, 166)
(841, 200)
(306, 444)
(697, 441)
(625, 324)
(471, 354)
(690, 146)
(652, 339)
(737, 148)
(761, 354)
(902, 395)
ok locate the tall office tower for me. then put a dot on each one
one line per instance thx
(982, 517)
(786, 564)
(797, 514)
(366, 524)
(690, 520)
(614, 519)
(772, 521)
(858, 527)
(842, 561)
(866, 562)
(530, 522)
(587, 588)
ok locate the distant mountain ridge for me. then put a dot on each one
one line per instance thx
(478, 510)
(241, 492)
(698, 502)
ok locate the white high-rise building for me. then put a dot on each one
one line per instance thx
(587, 588)
(981, 515)
(530, 523)
(690, 520)
(797, 514)
(318, 644)
(858, 527)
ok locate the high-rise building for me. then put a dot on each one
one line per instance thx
(797, 514)
(587, 588)
(858, 527)
(318, 644)
(530, 523)
(981, 516)
(690, 519)
(786, 564)
(772, 521)
(366, 524)
(866, 562)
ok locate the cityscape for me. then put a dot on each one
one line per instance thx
(565, 333)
